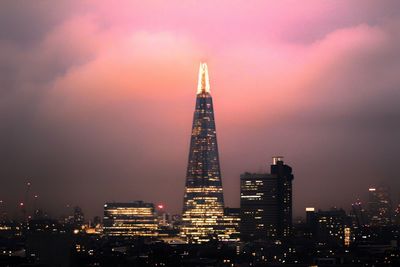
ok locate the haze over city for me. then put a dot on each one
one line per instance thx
(96, 99)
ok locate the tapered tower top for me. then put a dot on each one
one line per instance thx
(203, 83)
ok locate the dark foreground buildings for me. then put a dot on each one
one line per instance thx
(203, 205)
(266, 203)
(332, 227)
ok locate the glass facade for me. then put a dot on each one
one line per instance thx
(266, 203)
(203, 205)
(230, 225)
(258, 204)
(130, 219)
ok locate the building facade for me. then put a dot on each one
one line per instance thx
(396, 219)
(332, 227)
(130, 219)
(379, 206)
(203, 205)
(266, 203)
(284, 176)
(359, 215)
(230, 224)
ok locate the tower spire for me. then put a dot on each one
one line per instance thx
(203, 85)
(203, 201)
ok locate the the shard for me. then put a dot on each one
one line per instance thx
(203, 205)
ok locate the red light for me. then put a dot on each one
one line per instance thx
(160, 206)
(21, 204)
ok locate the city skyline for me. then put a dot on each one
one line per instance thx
(96, 102)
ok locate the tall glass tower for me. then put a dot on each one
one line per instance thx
(203, 205)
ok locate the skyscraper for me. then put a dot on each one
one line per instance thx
(380, 206)
(284, 176)
(203, 205)
(359, 214)
(258, 207)
(266, 203)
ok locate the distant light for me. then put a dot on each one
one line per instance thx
(21, 204)
(76, 231)
(160, 206)
(276, 159)
(372, 189)
(310, 209)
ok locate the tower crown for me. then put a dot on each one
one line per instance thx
(203, 85)
(276, 159)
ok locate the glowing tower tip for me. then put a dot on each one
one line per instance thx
(204, 82)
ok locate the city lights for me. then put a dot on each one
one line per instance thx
(203, 206)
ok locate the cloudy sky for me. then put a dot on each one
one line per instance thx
(97, 97)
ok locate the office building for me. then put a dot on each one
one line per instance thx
(203, 205)
(331, 227)
(359, 214)
(379, 206)
(266, 203)
(284, 176)
(130, 219)
(230, 223)
(78, 217)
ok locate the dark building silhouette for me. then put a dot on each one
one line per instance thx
(330, 227)
(396, 219)
(79, 217)
(258, 206)
(379, 206)
(266, 203)
(284, 176)
(203, 203)
(310, 215)
(359, 214)
(49, 243)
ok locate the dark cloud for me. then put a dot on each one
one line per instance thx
(26, 22)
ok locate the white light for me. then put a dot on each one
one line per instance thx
(276, 159)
